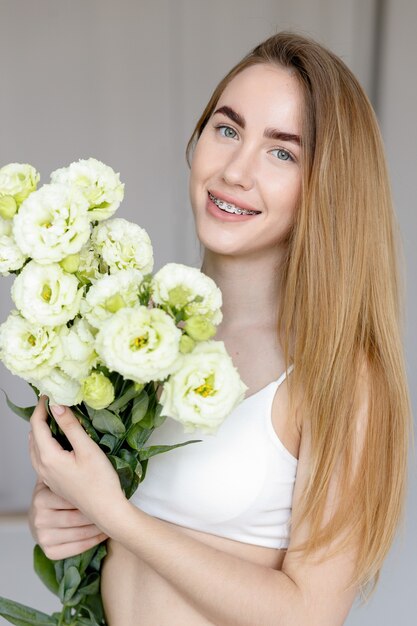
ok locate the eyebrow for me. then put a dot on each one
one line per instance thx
(270, 133)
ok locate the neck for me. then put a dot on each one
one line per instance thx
(250, 288)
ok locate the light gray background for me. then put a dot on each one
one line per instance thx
(125, 81)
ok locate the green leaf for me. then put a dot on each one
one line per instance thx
(139, 470)
(129, 456)
(69, 584)
(108, 441)
(101, 552)
(76, 599)
(59, 569)
(140, 406)
(22, 615)
(35, 390)
(158, 419)
(72, 561)
(86, 558)
(124, 472)
(106, 422)
(147, 453)
(79, 561)
(147, 421)
(25, 412)
(90, 585)
(137, 436)
(94, 606)
(45, 569)
(86, 424)
(121, 402)
(131, 488)
(180, 316)
(132, 459)
(144, 468)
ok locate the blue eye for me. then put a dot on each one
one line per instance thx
(227, 131)
(283, 155)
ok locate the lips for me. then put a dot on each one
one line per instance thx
(228, 202)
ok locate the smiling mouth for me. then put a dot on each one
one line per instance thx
(230, 208)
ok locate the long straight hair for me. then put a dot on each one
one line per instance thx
(340, 313)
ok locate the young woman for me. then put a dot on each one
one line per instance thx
(289, 511)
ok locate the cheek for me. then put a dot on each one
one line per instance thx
(284, 197)
(199, 171)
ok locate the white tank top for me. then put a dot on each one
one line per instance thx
(237, 483)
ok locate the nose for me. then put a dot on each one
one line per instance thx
(239, 169)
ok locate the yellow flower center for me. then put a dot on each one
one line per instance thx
(207, 388)
(32, 340)
(46, 293)
(138, 342)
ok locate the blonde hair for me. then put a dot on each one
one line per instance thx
(340, 307)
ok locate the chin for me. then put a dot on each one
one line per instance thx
(217, 244)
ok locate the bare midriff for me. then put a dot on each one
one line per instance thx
(134, 594)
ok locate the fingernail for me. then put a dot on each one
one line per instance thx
(57, 409)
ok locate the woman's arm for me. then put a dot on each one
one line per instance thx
(225, 589)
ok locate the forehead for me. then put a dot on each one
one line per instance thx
(266, 93)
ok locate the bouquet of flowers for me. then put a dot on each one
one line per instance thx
(94, 329)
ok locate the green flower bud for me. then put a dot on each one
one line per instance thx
(114, 303)
(199, 328)
(8, 207)
(179, 297)
(186, 344)
(98, 391)
(71, 263)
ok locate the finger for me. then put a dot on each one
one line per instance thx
(67, 550)
(56, 536)
(44, 497)
(71, 427)
(34, 459)
(52, 518)
(41, 436)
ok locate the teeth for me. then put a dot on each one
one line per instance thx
(230, 208)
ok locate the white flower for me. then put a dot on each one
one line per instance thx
(89, 265)
(204, 389)
(79, 355)
(123, 244)
(11, 257)
(28, 350)
(141, 344)
(60, 388)
(52, 223)
(184, 287)
(109, 294)
(46, 295)
(5, 227)
(99, 183)
(17, 181)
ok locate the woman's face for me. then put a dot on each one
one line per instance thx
(248, 158)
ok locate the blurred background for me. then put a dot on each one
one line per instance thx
(125, 81)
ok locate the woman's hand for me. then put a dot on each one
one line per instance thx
(85, 477)
(59, 528)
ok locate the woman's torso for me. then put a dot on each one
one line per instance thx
(133, 593)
